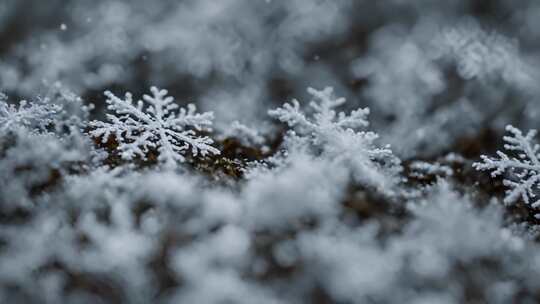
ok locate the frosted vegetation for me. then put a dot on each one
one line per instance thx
(269, 151)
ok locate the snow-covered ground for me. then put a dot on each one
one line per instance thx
(269, 151)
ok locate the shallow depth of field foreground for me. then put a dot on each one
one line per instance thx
(269, 151)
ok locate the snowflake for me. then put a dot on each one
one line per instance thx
(159, 125)
(525, 167)
(325, 118)
(35, 115)
(484, 54)
(337, 137)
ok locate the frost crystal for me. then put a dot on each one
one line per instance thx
(524, 169)
(335, 136)
(325, 118)
(423, 170)
(248, 136)
(483, 54)
(159, 125)
(35, 115)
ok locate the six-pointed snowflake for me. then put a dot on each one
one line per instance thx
(325, 118)
(337, 137)
(523, 170)
(162, 125)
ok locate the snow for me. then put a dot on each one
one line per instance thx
(303, 151)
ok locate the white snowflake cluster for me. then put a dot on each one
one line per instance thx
(33, 115)
(160, 125)
(522, 172)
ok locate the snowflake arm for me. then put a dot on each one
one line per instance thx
(131, 114)
(138, 146)
(291, 114)
(189, 117)
(162, 125)
(30, 115)
(324, 104)
(357, 119)
(525, 167)
(248, 136)
(521, 143)
(325, 117)
(199, 145)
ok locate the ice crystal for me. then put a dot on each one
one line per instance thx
(161, 125)
(247, 135)
(523, 169)
(33, 115)
(481, 54)
(422, 170)
(321, 212)
(325, 118)
(337, 136)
